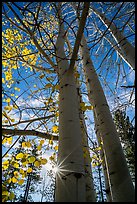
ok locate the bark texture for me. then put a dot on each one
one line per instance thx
(121, 184)
(90, 191)
(70, 180)
(104, 162)
(126, 51)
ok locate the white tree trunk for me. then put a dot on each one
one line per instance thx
(70, 180)
(104, 163)
(121, 184)
(90, 191)
(127, 50)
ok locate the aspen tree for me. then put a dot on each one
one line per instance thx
(90, 191)
(125, 49)
(120, 179)
(70, 181)
(103, 157)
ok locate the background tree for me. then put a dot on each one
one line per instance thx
(126, 132)
(21, 171)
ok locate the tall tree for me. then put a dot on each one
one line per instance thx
(116, 162)
(126, 132)
(126, 50)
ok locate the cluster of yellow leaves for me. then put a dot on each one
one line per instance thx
(24, 164)
(6, 117)
(7, 196)
(5, 164)
(7, 140)
(96, 160)
(12, 47)
(84, 107)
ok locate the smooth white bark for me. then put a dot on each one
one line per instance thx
(121, 184)
(90, 191)
(127, 50)
(70, 180)
(104, 162)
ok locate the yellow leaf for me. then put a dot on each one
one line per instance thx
(13, 120)
(42, 76)
(51, 142)
(3, 80)
(44, 161)
(21, 171)
(57, 87)
(56, 147)
(9, 140)
(90, 107)
(20, 182)
(29, 170)
(57, 114)
(15, 106)
(48, 86)
(31, 159)
(6, 162)
(24, 163)
(7, 100)
(16, 165)
(55, 128)
(52, 157)
(39, 147)
(16, 174)
(11, 196)
(23, 144)
(19, 156)
(42, 142)
(9, 180)
(14, 180)
(28, 144)
(6, 193)
(97, 149)
(17, 89)
(37, 163)
(82, 104)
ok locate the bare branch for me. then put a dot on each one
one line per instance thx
(29, 132)
(31, 120)
(79, 34)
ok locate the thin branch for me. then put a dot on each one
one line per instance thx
(79, 34)
(31, 120)
(29, 132)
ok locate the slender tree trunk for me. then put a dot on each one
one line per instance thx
(102, 155)
(127, 50)
(70, 180)
(100, 183)
(121, 183)
(27, 189)
(90, 191)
